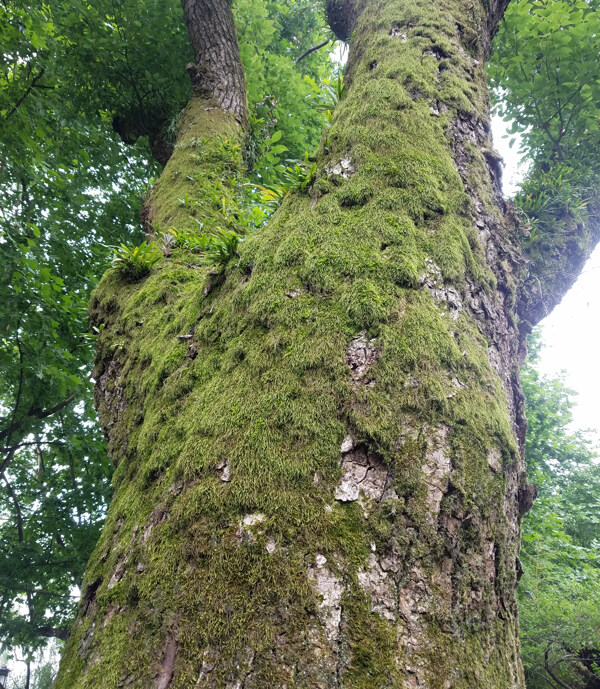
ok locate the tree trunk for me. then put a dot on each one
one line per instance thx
(319, 473)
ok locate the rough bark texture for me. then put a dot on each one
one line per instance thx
(218, 73)
(319, 473)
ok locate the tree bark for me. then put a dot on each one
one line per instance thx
(319, 460)
(218, 72)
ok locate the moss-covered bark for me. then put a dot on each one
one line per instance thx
(319, 480)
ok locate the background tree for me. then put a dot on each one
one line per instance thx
(560, 588)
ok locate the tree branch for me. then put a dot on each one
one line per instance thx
(20, 388)
(306, 53)
(53, 632)
(38, 414)
(45, 413)
(13, 497)
(342, 15)
(29, 89)
(59, 443)
(549, 669)
(218, 73)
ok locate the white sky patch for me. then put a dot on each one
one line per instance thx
(571, 333)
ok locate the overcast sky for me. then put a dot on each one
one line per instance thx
(571, 332)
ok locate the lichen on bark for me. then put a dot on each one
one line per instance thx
(398, 355)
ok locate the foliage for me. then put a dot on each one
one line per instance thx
(289, 178)
(560, 589)
(550, 197)
(135, 262)
(544, 73)
(330, 96)
(272, 35)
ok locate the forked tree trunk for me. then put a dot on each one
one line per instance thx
(319, 473)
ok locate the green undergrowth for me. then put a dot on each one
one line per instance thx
(244, 366)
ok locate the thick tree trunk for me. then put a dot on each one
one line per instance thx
(218, 73)
(319, 473)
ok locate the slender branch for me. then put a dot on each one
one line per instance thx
(53, 632)
(40, 592)
(549, 669)
(45, 413)
(306, 53)
(13, 497)
(20, 388)
(546, 679)
(29, 89)
(40, 458)
(18, 446)
(7, 460)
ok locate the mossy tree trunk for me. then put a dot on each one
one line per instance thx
(319, 473)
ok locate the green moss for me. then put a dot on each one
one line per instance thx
(372, 645)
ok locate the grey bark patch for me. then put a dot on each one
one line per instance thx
(432, 281)
(157, 517)
(347, 445)
(379, 585)
(248, 528)
(361, 355)
(364, 473)
(168, 663)
(437, 470)
(209, 663)
(224, 471)
(345, 168)
(117, 574)
(494, 460)
(437, 464)
(329, 587)
(399, 32)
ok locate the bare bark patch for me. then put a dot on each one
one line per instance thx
(167, 666)
(400, 32)
(224, 471)
(494, 460)
(209, 663)
(329, 588)
(361, 355)
(117, 574)
(432, 281)
(380, 586)
(365, 473)
(157, 517)
(248, 528)
(437, 469)
(345, 168)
